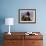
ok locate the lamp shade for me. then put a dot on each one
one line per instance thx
(9, 21)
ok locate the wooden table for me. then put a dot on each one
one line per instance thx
(20, 39)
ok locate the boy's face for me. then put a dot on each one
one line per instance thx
(28, 13)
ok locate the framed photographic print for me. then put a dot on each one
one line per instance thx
(27, 15)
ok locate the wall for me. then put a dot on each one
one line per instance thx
(9, 8)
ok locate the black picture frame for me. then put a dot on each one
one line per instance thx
(27, 16)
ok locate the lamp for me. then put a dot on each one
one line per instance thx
(9, 21)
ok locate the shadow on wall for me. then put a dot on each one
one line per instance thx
(2, 21)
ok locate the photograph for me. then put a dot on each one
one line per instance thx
(27, 15)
